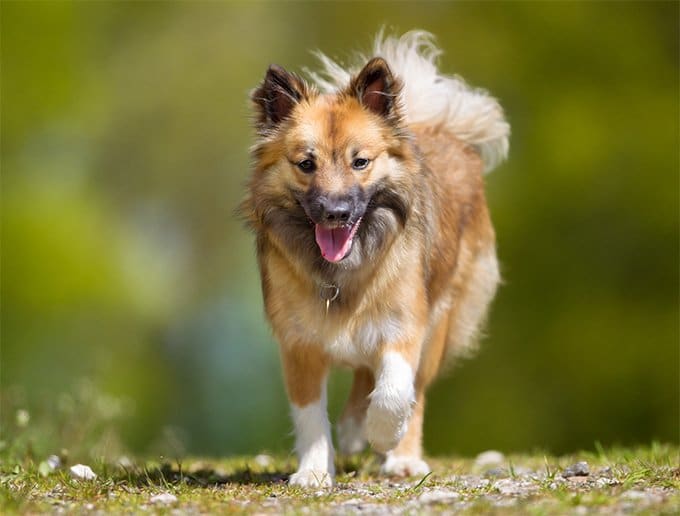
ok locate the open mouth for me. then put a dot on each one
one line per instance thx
(335, 243)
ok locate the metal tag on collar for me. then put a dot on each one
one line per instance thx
(329, 293)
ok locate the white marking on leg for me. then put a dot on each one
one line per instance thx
(391, 402)
(313, 445)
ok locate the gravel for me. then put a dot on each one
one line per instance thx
(580, 469)
(438, 496)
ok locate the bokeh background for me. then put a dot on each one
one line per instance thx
(131, 309)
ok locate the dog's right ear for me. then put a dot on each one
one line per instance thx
(277, 96)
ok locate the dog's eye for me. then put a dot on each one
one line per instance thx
(307, 165)
(359, 163)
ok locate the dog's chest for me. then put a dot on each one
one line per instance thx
(358, 341)
(354, 341)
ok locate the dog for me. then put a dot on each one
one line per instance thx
(374, 241)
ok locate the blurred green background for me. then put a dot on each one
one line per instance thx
(131, 310)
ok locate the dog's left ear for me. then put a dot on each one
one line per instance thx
(376, 88)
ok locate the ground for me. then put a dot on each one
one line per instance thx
(615, 481)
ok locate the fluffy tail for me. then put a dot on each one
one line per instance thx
(428, 96)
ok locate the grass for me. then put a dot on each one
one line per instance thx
(643, 480)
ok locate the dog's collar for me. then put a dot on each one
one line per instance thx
(329, 293)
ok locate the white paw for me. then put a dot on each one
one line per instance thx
(351, 438)
(311, 478)
(391, 403)
(404, 466)
(386, 424)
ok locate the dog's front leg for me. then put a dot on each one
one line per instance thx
(392, 400)
(305, 369)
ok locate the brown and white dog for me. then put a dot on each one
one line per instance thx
(374, 241)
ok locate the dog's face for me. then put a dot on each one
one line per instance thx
(330, 168)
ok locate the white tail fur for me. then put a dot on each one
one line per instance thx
(428, 96)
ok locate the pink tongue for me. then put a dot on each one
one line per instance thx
(334, 243)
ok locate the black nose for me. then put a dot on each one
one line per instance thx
(336, 210)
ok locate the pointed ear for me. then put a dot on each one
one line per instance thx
(277, 96)
(376, 88)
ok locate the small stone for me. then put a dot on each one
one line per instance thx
(605, 472)
(438, 496)
(54, 462)
(263, 460)
(580, 469)
(163, 498)
(605, 482)
(82, 472)
(489, 458)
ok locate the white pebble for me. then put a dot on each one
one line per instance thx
(263, 460)
(82, 472)
(164, 498)
(489, 458)
(53, 461)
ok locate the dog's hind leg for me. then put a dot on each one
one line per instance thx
(470, 309)
(350, 427)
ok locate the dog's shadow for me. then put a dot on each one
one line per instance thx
(172, 475)
(169, 474)
(242, 476)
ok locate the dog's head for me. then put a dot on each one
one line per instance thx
(330, 169)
